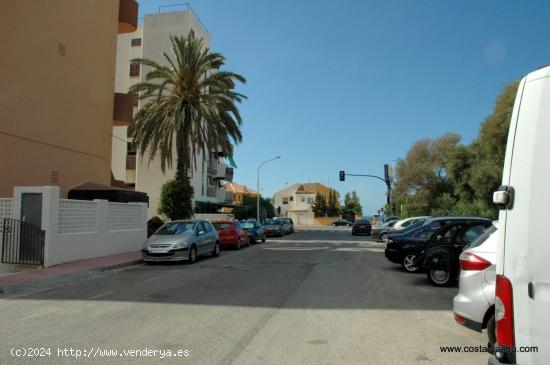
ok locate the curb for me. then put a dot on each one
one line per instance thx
(96, 269)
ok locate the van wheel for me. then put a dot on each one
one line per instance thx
(408, 263)
(491, 333)
(440, 277)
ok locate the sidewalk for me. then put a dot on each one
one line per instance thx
(95, 264)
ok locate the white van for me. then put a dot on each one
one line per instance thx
(522, 307)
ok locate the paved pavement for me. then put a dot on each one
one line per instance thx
(318, 296)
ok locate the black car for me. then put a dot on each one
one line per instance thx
(440, 259)
(361, 226)
(404, 246)
(342, 222)
(254, 229)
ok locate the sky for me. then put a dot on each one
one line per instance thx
(351, 85)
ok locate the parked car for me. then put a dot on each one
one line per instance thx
(274, 227)
(440, 258)
(522, 287)
(341, 222)
(288, 224)
(183, 240)
(404, 246)
(361, 226)
(474, 305)
(404, 223)
(381, 232)
(391, 219)
(231, 234)
(254, 229)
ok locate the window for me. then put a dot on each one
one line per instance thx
(134, 69)
(208, 227)
(303, 199)
(291, 198)
(310, 200)
(285, 200)
(136, 42)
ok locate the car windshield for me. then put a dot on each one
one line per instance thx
(247, 224)
(175, 228)
(483, 237)
(223, 225)
(273, 222)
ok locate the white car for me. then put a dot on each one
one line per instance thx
(522, 304)
(474, 305)
(407, 222)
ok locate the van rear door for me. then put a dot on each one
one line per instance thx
(524, 242)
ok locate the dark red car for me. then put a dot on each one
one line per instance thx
(231, 234)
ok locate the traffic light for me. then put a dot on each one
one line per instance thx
(342, 175)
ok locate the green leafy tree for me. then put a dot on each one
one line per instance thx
(352, 203)
(319, 206)
(188, 103)
(176, 198)
(333, 205)
(248, 208)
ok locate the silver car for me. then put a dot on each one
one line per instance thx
(182, 240)
(474, 305)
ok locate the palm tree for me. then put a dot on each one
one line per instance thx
(192, 101)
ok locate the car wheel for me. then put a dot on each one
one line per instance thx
(217, 249)
(193, 255)
(491, 333)
(248, 242)
(384, 237)
(408, 263)
(238, 247)
(263, 240)
(439, 277)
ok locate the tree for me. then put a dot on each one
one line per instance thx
(352, 203)
(248, 208)
(333, 205)
(175, 198)
(189, 104)
(319, 206)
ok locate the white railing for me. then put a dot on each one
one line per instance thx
(125, 216)
(5, 211)
(77, 216)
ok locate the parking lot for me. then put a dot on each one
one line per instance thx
(318, 296)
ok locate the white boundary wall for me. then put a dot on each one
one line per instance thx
(81, 229)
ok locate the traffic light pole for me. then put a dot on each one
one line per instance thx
(388, 185)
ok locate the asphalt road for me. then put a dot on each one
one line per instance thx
(315, 297)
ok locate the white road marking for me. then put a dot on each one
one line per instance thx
(295, 248)
(151, 279)
(101, 294)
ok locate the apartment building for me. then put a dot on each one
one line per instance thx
(150, 40)
(58, 105)
(295, 201)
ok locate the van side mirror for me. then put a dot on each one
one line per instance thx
(504, 197)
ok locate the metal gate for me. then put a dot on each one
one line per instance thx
(22, 243)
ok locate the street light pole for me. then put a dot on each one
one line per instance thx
(258, 186)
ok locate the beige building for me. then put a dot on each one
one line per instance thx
(150, 40)
(295, 201)
(236, 192)
(57, 104)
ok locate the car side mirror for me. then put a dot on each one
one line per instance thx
(504, 197)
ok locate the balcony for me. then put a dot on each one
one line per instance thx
(211, 191)
(224, 172)
(229, 197)
(127, 16)
(123, 109)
